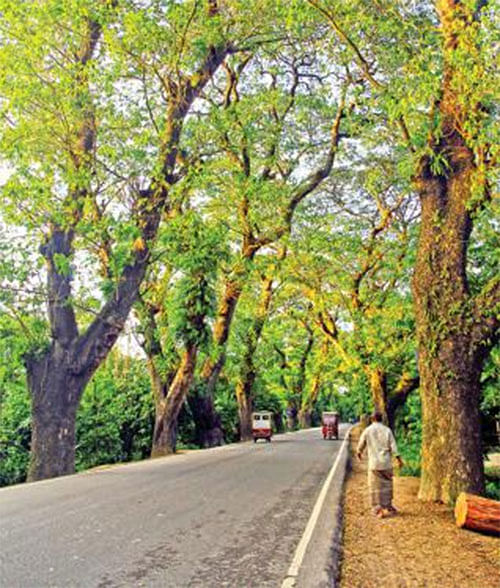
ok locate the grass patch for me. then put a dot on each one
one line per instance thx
(492, 478)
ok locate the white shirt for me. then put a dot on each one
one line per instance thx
(381, 446)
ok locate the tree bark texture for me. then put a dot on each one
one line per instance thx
(397, 398)
(207, 422)
(449, 364)
(208, 432)
(292, 421)
(294, 402)
(305, 413)
(378, 389)
(55, 395)
(169, 405)
(385, 401)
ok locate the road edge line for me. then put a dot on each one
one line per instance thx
(300, 551)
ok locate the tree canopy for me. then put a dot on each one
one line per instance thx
(286, 205)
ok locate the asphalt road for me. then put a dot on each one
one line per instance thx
(229, 516)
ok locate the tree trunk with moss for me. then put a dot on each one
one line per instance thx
(455, 330)
(207, 421)
(450, 360)
(397, 398)
(378, 390)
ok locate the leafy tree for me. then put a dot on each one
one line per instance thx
(262, 135)
(428, 68)
(95, 102)
(174, 308)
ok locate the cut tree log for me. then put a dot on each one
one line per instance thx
(477, 513)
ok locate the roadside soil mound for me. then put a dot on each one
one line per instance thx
(420, 547)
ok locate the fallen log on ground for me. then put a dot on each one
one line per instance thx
(477, 513)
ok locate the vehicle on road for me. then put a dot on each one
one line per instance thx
(262, 426)
(330, 425)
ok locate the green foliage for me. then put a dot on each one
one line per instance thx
(409, 435)
(15, 421)
(15, 433)
(115, 419)
(490, 401)
(227, 408)
(492, 475)
(255, 132)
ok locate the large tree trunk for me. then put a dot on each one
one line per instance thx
(212, 367)
(245, 404)
(305, 413)
(292, 422)
(168, 407)
(245, 408)
(398, 397)
(387, 402)
(452, 459)
(454, 330)
(378, 389)
(449, 364)
(55, 395)
(295, 400)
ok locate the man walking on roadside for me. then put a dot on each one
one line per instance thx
(381, 446)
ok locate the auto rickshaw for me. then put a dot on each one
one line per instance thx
(330, 425)
(262, 427)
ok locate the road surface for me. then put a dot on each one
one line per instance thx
(229, 516)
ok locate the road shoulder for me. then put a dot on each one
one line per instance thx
(419, 547)
(320, 565)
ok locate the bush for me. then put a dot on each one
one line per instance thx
(15, 421)
(409, 435)
(227, 408)
(15, 435)
(116, 415)
(492, 477)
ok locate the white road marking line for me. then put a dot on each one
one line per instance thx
(293, 570)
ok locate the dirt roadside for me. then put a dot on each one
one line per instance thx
(419, 548)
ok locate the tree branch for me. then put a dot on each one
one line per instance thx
(95, 343)
(312, 181)
(362, 62)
